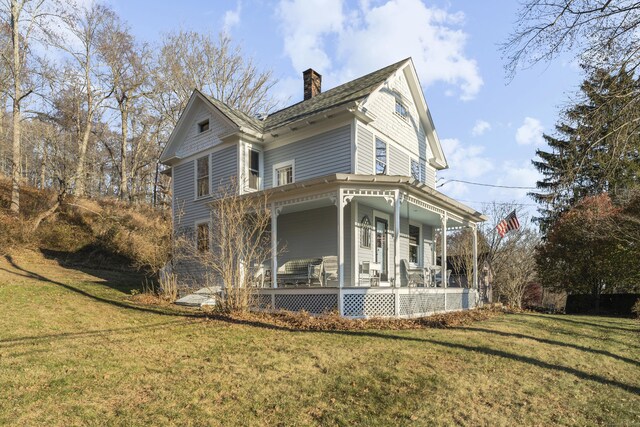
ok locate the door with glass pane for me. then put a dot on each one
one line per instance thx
(382, 246)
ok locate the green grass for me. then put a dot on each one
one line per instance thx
(75, 351)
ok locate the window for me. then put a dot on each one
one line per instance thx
(254, 169)
(365, 232)
(283, 173)
(381, 157)
(401, 110)
(202, 177)
(415, 170)
(414, 243)
(203, 237)
(203, 126)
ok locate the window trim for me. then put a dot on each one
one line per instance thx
(203, 123)
(195, 161)
(247, 168)
(375, 156)
(417, 163)
(420, 243)
(365, 228)
(289, 163)
(404, 108)
(197, 239)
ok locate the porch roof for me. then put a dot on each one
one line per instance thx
(408, 184)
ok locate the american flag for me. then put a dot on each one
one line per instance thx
(509, 223)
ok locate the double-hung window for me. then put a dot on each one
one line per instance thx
(415, 170)
(254, 169)
(283, 173)
(414, 244)
(202, 176)
(381, 157)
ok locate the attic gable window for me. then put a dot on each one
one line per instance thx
(203, 126)
(401, 110)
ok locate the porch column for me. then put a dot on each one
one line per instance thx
(396, 238)
(443, 262)
(340, 203)
(274, 246)
(474, 234)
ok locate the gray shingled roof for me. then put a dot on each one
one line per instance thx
(354, 90)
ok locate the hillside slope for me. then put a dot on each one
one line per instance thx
(104, 233)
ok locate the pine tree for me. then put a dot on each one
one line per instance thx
(596, 147)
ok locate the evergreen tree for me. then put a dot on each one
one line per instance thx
(596, 146)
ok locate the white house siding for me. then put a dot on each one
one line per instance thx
(313, 234)
(399, 162)
(194, 141)
(407, 132)
(365, 151)
(188, 210)
(319, 155)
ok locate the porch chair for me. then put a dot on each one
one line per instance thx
(411, 276)
(438, 278)
(329, 269)
(371, 272)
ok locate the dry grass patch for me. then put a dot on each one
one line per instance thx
(77, 349)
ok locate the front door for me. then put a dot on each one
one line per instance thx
(382, 247)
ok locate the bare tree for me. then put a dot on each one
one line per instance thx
(511, 259)
(460, 254)
(232, 248)
(85, 26)
(24, 18)
(602, 33)
(128, 65)
(189, 60)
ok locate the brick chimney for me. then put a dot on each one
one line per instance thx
(312, 83)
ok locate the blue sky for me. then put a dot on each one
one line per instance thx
(489, 127)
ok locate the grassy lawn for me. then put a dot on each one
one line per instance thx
(75, 351)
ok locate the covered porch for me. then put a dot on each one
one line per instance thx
(364, 246)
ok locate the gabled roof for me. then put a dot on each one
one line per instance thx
(354, 90)
(351, 92)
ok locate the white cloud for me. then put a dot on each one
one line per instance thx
(530, 133)
(321, 34)
(516, 174)
(231, 18)
(480, 127)
(467, 162)
(305, 23)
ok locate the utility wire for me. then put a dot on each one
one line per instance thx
(486, 185)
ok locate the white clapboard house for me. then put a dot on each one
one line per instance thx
(356, 208)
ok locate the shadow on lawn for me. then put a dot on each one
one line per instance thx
(552, 342)
(608, 325)
(13, 342)
(475, 349)
(116, 303)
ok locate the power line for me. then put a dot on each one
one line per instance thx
(486, 185)
(497, 203)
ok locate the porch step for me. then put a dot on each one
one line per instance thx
(204, 296)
